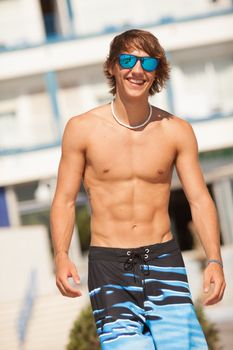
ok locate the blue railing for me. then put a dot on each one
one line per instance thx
(50, 25)
(27, 149)
(54, 37)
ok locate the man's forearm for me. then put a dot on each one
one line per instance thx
(205, 219)
(62, 224)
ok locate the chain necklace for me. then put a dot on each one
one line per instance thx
(129, 126)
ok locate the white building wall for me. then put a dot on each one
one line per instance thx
(28, 293)
(23, 250)
(203, 85)
(27, 120)
(103, 15)
(21, 22)
(91, 16)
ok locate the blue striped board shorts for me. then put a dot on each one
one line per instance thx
(141, 299)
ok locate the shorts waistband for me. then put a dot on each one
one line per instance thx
(110, 253)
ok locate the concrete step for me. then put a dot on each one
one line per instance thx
(50, 323)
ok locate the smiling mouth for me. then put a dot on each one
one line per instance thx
(136, 81)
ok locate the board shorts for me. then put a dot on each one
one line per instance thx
(141, 299)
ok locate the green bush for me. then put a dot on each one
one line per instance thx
(83, 335)
(209, 328)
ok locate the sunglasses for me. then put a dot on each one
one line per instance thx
(127, 61)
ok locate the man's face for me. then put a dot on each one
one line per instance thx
(134, 82)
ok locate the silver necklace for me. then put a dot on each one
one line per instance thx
(129, 126)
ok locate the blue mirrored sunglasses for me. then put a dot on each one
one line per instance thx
(128, 61)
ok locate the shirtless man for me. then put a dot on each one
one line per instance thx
(125, 153)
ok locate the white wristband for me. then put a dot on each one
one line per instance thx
(215, 261)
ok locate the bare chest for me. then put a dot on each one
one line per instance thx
(121, 154)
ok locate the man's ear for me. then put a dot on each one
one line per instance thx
(110, 71)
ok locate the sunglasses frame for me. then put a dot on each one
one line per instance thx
(138, 58)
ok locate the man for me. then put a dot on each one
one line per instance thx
(125, 153)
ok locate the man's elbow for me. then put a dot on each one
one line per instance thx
(201, 201)
(63, 202)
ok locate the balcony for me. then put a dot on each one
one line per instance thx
(37, 26)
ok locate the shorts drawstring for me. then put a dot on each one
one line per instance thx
(135, 257)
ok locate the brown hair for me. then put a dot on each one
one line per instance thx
(142, 40)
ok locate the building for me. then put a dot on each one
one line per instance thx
(51, 56)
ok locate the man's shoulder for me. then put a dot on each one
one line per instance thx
(88, 118)
(79, 127)
(171, 121)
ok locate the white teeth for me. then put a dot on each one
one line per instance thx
(136, 81)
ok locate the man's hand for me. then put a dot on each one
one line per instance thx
(65, 269)
(214, 284)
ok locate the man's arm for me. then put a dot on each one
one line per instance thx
(62, 216)
(202, 207)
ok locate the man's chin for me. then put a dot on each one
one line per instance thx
(136, 94)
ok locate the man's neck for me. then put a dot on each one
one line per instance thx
(131, 111)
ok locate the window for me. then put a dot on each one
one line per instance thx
(50, 17)
(203, 88)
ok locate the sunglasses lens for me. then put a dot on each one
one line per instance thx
(127, 61)
(150, 63)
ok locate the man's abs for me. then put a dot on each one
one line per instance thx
(129, 214)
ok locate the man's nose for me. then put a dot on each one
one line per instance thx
(138, 67)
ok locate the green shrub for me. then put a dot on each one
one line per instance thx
(209, 328)
(83, 335)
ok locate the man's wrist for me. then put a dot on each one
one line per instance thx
(60, 252)
(214, 261)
